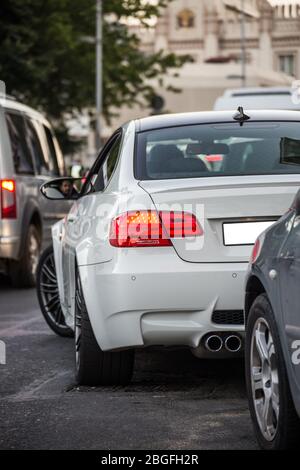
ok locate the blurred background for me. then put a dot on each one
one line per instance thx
(90, 65)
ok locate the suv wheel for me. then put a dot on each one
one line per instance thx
(23, 272)
(274, 417)
(94, 366)
(48, 294)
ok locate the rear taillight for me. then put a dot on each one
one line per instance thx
(151, 228)
(8, 199)
(255, 251)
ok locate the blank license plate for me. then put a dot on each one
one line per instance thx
(244, 233)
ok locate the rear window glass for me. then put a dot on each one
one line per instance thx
(52, 153)
(218, 150)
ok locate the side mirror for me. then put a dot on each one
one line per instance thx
(67, 189)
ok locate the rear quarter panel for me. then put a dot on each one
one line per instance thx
(268, 260)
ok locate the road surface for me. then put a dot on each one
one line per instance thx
(174, 402)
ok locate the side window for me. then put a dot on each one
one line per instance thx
(21, 152)
(102, 177)
(41, 163)
(52, 153)
(112, 158)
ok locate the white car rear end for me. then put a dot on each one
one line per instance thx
(178, 280)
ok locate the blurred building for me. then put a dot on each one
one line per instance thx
(210, 31)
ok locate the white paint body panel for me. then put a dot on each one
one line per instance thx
(224, 199)
(158, 299)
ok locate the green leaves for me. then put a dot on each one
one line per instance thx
(47, 54)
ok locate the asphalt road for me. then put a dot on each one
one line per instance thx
(174, 402)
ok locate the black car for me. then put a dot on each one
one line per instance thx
(272, 349)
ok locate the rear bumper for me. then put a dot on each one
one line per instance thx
(159, 299)
(9, 247)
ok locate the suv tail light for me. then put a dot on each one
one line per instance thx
(8, 199)
(152, 228)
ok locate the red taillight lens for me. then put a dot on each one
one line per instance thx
(214, 158)
(8, 199)
(180, 224)
(255, 251)
(151, 228)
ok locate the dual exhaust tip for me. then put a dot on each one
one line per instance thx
(214, 343)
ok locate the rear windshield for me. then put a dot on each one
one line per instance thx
(218, 150)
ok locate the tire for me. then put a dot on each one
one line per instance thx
(23, 272)
(48, 295)
(280, 429)
(94, 366)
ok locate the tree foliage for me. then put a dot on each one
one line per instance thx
(47, 54)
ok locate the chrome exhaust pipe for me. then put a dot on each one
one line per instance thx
(214, 343)
(233, 343)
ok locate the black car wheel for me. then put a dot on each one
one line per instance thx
(276, 423)
(48, 295)
(94, 366)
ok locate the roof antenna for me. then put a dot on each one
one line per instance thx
(240, 116)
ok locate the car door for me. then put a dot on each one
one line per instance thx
(81, 217)
(289, 278)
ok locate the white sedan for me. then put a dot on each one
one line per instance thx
(155, 248)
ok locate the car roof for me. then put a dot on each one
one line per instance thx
(211, 117)
(9, 103)
(257, 91)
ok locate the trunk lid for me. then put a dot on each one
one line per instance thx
(224, 200)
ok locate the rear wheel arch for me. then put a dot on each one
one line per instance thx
(94, 366)
(31, 216)
(22, 270)
(36, 220)
(254, 288)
